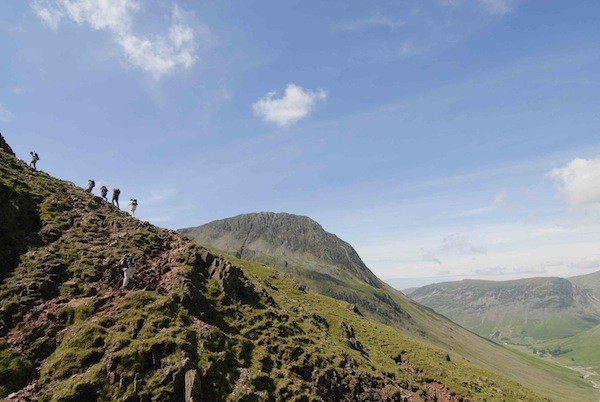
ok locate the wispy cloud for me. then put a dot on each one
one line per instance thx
(428, 255)
(296, 103)
(157, 197)
(579, 181)
(500, 7)
(376, 19)
(452, 245)
(459, 243)
(497, 202)
(5, 115)
(157, 55)
(407, 48)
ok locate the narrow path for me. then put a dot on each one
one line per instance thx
(587, 374)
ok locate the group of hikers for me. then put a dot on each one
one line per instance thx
(115, 196)
(126, 263)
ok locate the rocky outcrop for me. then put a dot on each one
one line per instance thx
(4, 147)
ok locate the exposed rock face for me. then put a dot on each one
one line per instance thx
(192, 386)
(4, 147)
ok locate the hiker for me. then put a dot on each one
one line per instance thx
(34, 159)
(104, 193)
(115, 196)
(128, 269)
(132, 207)
(90, 186)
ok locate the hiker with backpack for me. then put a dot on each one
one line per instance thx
(90, 186)
(104, 193)
(128, 267)
(132, 207)
(115, 196)
(34, 159)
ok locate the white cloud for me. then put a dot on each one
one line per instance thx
(295, 104)
(5, 115)
(579, 181)
(376, 19)
(48, 13)
(157, 55)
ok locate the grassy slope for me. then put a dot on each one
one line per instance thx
(582, 349)
(524, 311)
(68, 330)
(422, 324)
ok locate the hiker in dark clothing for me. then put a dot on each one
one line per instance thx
(115, 196)
(104, 193)
(90, 186)
(34, 159)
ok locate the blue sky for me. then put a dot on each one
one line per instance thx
(444, 139)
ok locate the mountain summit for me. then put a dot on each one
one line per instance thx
(317, 259)
(289, 239)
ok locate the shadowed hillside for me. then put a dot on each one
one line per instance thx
(192, 325)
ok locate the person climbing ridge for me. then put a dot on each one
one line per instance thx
(34, 159)
(90, 186)
(115, 196)
(128, 269)
(132, 207)
(104, 193)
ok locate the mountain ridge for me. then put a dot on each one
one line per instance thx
(193, 324)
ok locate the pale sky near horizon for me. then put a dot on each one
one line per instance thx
(443, 139)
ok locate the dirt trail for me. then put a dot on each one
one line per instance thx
(588, 374)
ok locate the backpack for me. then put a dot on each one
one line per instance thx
(35, 155)
(128, 260)
(116, 192)
(103, 189)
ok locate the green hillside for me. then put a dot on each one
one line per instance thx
(192, 324)
(552, 317)
(519, 311)
(295, 245)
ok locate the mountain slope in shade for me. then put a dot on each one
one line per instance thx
(194, 325)
(296, 244)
